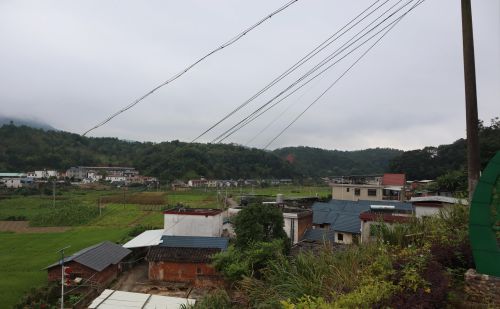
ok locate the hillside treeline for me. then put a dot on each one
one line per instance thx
(316, 162)
(24, 149)
(431, 162)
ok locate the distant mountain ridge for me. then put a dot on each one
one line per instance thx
(32, 123)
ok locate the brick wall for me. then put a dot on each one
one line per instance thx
(78, 270)
(197, 274)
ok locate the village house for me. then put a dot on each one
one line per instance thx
(371, 188)
(99, 263)
(432, 205)
(186, 259)
(179, 185)
(43, 174)
(197, 183)
(193, 222)
(389, 215)
(343, 217)
(81, 172)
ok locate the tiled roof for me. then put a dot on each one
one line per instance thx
(172, 254)
(394, 179)
(194, 242)
(99, 256)
(343, 216)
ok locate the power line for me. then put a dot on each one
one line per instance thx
(295, 66)
(258, 112)
(176, 76)
(344, 73)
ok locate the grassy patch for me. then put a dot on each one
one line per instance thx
(22, 268)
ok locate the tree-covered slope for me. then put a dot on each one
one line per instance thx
(316, 162)
(25, 149)
(431, 162)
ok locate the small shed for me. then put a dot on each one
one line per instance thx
(186, 259)
(98, 263)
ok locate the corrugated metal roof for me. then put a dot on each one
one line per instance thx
(438, 198)
(319, 235)
(99, 256)
(145, 239)
(12, 175)
(194, 242)
(111, 299)
(343, 216)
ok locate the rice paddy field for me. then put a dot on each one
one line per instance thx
(81, 218)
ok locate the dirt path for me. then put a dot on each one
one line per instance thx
(23, 227)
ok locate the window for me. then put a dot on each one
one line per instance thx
(357, 192)
(347, 189)
(372, 192)
(199, 271)
(340, 237)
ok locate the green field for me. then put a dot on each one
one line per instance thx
(24, 255)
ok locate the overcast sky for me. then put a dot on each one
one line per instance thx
(73, 63)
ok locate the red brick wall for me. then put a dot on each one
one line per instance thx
(198, 274)
(104, 277)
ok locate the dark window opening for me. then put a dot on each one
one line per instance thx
(340, 236)
(372, 192)
(347, 189)
(357, 192)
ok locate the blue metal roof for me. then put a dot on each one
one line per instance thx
(343, 216)
(194, 242)
(320, 235)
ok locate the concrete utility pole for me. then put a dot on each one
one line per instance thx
(473, 163)
(62, 275)
(54, 193)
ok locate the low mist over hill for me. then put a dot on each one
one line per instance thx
(37, 124)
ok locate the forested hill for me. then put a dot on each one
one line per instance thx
(24, 149)
(431, 162)
(316, 162)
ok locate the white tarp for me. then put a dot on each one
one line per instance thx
(145, 239)
(112, 299)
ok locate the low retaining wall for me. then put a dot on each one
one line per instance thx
(482, 289)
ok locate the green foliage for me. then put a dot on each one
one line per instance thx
(431, 162)
(315, 162)
(215, 299)
(24, 148)
(258, 223)
(236, 263)
(453, 181)
(65, 215)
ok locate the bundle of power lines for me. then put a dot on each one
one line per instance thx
(349, 44)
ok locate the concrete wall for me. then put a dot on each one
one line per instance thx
(346, 238)
(193, 225)
(422, 211)
(347, 192)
